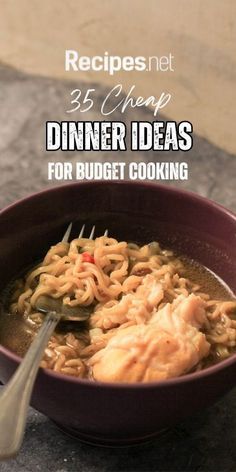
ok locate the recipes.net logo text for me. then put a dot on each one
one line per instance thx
(112, 64)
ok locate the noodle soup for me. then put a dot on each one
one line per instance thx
(154, 315)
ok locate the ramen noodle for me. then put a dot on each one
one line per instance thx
(149, 319)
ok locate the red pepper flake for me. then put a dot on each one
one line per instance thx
(88, 258)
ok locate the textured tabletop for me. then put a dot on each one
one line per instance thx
(205, 442)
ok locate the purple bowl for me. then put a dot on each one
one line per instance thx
(109, 413)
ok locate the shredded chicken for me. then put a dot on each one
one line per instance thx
(169, 345)
(137, 306)
(191, 309)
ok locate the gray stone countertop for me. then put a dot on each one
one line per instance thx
(205, 442)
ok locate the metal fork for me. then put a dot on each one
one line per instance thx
(15, 396)
(67, 234)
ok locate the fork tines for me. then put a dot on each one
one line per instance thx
(66, 236)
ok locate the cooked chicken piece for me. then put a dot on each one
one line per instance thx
(166, 347)
(137, 306)
(190, 309)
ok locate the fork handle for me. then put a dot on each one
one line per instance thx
(15, 396)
